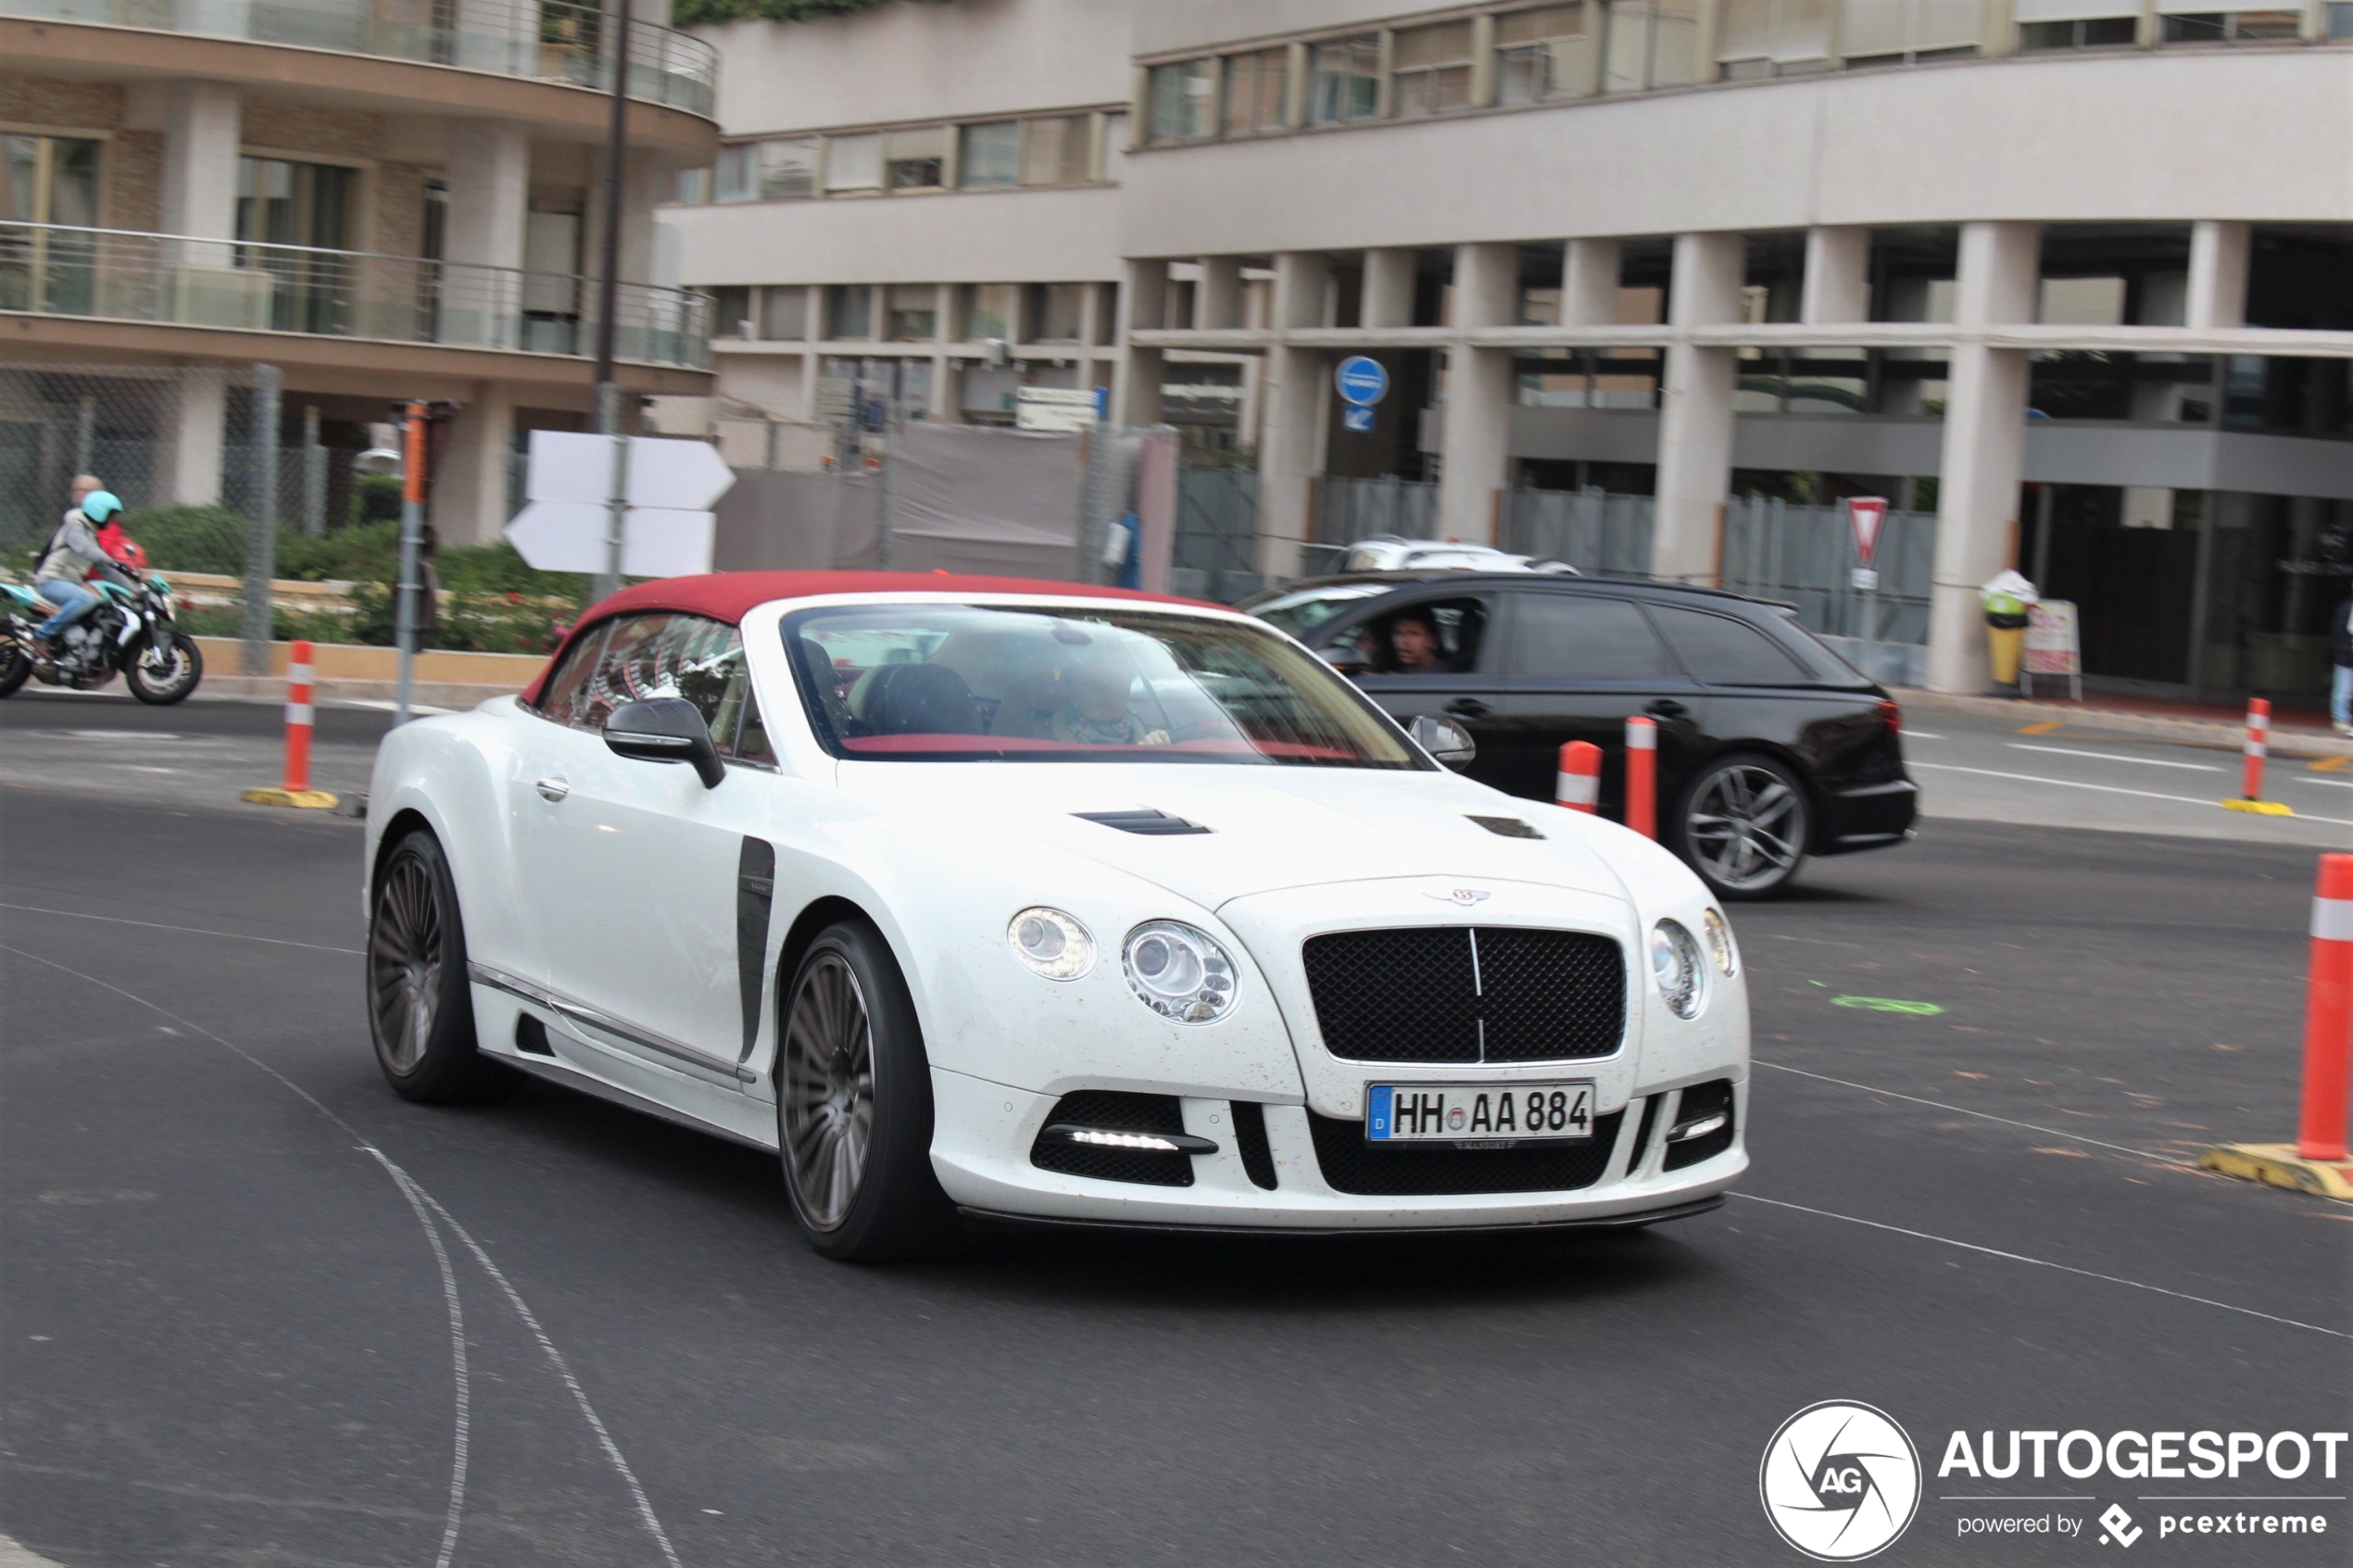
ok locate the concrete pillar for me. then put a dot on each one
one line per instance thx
(203, 131)
(489, 203)
(470, 493)
(1984, 448)
(196, 423)
(1590, 271)
(1389, 288)
(1302, 279)
(1695, 415)
(1143, 304)
(2218, 276)
(1291, 446)
(1479, 395)
(1218, 298)
(1838, 275)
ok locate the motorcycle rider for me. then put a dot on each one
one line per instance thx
(73, 553)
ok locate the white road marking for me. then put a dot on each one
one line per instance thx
(184, 930)
(2044, 1264)
(2111, 757)
(462, 1442)
(1964, 1110)
(2338, 784)
(2109, 789)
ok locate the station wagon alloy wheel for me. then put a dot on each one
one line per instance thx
(1745, 828)
(829, 1090)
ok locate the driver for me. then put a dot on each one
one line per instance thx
(1094, 710)
(1414, 646)
(73, 551)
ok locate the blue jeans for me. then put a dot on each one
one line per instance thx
(2341, 694)
(73, 602)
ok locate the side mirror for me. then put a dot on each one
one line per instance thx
(666, 729)
(1347, 658)
(1443, 738)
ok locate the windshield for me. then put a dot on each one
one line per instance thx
(951, 682)
(1301, 613)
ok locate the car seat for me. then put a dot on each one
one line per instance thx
(917, 699)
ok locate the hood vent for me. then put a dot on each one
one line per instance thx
(1153, 825)
(1508, 827)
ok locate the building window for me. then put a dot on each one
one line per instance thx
(1430, 67)
(284, 202)
(690, 187)
(783, 314)
(911, 312)
(1757, 38)
(1184, 102)
(733, 178)
(983, 311)
(1257, 87)
(2236, 27)
(850, 311)
(788, 168)
(1649, 44)
(990, 156)
(1053, 150)
(731, 310)
(1883, 34)
(2079, 33)
(1056, 313)
(1344, 77)
(853, 163)
(1542, 53)
(916, 160)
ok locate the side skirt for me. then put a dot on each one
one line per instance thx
(558, 1073)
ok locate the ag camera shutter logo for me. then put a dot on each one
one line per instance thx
(1839, 1481)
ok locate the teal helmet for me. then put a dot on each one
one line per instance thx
(100, 505)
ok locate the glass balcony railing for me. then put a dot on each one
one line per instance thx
(558, 40)
(117, 275)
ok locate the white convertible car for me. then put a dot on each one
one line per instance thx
(983, 899)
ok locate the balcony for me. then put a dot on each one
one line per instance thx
(554, 41)
(168, 280)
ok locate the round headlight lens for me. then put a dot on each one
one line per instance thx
(1719, 940)
(1051, 943)
(1675, 964)
(1179, 971)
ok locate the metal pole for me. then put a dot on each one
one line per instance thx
(605, 583)
(412, 539)
(314, 474)
(616, 147)
(887, 519)
(261, 539)
(85, 435)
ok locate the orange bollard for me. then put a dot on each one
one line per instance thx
(2258, 746)
(299, 710)
(2328, 1016)
(1578, 785)
(1641, 775)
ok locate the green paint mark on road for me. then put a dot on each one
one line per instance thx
(1885, 1004)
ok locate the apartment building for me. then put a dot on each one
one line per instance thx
(385, 199)
(2076, 276)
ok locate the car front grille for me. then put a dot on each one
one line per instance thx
(1129, 1112)
(1350, 1164)
(1453, 993)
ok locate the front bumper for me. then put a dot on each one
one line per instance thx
(985, 1132)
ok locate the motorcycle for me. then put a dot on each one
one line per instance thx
(129, 633)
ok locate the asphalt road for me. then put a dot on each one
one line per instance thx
(232, 1261)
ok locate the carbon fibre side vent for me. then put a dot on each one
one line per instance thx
(1508, 827)
(1153, 825)
(1250, 1141)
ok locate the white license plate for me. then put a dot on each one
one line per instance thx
(1477, 1112)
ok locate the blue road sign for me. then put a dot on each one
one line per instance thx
(1357, 418)
(1360, 381)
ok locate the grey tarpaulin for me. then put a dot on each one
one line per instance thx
(976, 499)
(771, 521)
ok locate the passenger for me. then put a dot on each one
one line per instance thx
(1414, 646)
(1094, 710)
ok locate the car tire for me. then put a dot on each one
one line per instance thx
(420, 1012)
(1742, 823)
(854, 1108)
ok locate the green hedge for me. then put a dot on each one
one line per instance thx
(694, 13)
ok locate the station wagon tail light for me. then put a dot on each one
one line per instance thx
(1051, 943)
(1892, 715)
(1675, 964)
(1179, 972)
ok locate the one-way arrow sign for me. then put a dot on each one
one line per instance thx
(668, 529)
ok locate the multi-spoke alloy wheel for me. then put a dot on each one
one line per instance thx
(853, 1104)
(829, 1090)
(420, 1011)
(1744, 827)
(165, 669)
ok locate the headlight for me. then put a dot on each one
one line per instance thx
(1719, 940)
(1180, 973)
(1052, 943)
(1675, 963)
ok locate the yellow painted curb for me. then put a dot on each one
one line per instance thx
(307, 799)
(2277, 1164)
(2260, 807)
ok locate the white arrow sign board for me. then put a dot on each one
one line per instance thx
(685, 476)
(666, 531)
(569, 536)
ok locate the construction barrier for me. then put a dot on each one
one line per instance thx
(1641, 775)
(1578, 785)
(2258, 747)
(300, 711)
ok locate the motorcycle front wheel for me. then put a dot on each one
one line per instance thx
(165, 669)
(14, 668)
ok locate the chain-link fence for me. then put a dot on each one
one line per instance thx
(1600, 534)
(1216, 545)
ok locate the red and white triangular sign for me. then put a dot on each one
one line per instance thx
(1865, 513)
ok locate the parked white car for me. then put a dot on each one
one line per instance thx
(982, 899)
(1388, 554)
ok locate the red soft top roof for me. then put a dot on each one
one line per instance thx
(729, 595)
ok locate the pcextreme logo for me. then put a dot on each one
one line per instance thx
(1839, 1481)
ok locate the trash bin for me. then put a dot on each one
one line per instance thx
(2005, 599)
